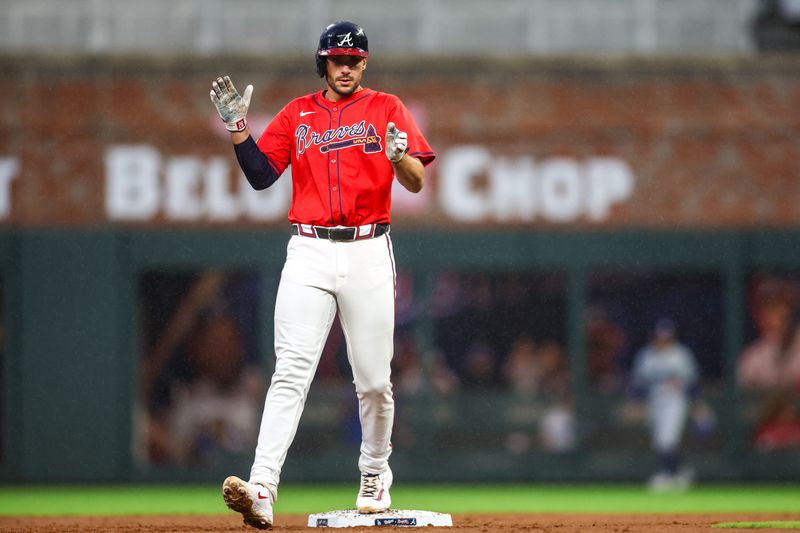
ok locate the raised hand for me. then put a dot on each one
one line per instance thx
(231, 106)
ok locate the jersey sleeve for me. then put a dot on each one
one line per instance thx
(417, 144)
(276, 141)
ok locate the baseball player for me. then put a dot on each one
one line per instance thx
(345, 144)
(665, 373)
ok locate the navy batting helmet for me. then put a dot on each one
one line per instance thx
(342, 38)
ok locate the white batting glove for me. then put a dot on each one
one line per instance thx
(232, 107)
(396, 143)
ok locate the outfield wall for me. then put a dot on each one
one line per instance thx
(72, 341)
(521, 143)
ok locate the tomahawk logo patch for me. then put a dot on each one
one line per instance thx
(355, 135)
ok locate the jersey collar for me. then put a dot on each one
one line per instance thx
(344, 101)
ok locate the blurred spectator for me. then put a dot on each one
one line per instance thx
(479, 366)
(557, 428)
(201, 391)
(540, 373)
(555, 373)
(777, 25)
(604, 340)
(411, 375)
(779, 425)
(665, 373)
(447, 297)
(493, 310)
(411, 378)
(773, 359)
(442, 379)
(407, 372)
(536, 370)
(521, 371)
(219, 408)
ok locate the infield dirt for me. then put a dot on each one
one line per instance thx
(471, 523)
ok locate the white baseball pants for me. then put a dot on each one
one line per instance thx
(667, 413)
(319, 277)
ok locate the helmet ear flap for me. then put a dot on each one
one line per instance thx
(320, 65)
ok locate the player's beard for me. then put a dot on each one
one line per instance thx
(344, 91)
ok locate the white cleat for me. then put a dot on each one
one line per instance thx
(254, 502)
(661, 482)
(679, 482)
(684, 479)
(373, 494)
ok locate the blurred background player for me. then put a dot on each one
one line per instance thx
(339, 258)
(771, 362)
(665, 373)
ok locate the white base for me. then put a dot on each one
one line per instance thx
(392, 517)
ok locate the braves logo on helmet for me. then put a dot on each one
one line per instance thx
(343, 38)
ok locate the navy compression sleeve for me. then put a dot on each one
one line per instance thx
(255, 164)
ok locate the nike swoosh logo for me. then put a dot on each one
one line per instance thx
(260, 497)
(304, 113)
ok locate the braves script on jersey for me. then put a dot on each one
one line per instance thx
(340, 174)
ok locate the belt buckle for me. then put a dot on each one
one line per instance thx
(342, 234)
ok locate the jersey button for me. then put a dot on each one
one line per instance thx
(333, 188)
(335, 108)
(333, 161)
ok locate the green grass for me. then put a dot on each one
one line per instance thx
(179, 499)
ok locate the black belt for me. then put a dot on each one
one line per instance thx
(341, 233)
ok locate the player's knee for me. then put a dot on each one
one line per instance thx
(375, 389)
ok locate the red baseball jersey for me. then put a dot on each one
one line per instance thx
(340, 173)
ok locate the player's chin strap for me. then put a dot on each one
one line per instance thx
(396, 143)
